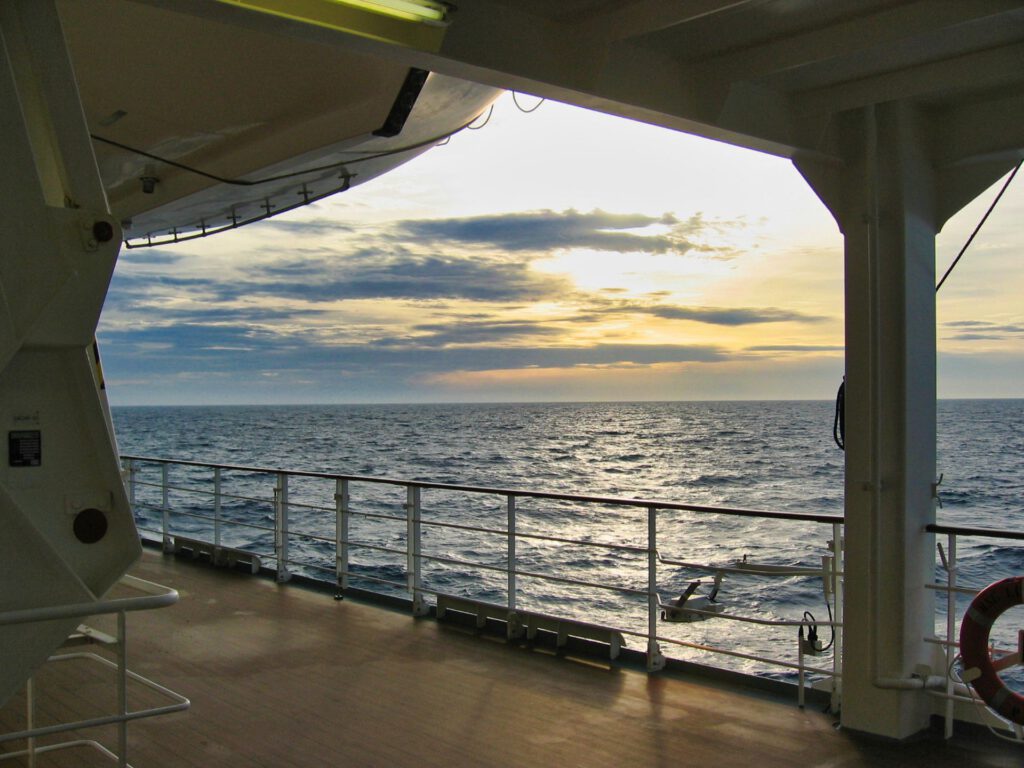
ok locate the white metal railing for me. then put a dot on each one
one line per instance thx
(509, 549)
(152, 596)
(954, 691)
(203, 495)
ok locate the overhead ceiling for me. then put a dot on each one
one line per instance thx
(768, 74)
(772, 75)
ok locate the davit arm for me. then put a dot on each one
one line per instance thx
(66, 529)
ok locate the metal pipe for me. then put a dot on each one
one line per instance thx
(165, 509)
(510, 557)
(281, 527)
(341, 515)
(655, 660)
(216, 508)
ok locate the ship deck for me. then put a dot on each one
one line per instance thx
(286, 676)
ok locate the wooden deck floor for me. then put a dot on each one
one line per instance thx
(283, 676)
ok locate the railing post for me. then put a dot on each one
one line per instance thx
(281, 527)
(122, 689)
(511, 552)
(341, 515)
(216, 512)
(414, 573)
(837, 616)
(655, 660)
(165, 510)
(30, 720)
(132, 469)
(515, 627)
(951, 574)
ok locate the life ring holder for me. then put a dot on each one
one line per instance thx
(979, 669)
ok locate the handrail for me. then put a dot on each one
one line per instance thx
(963, 530)
(519, 493)
(157, 596)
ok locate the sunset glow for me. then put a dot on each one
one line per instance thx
(558, 255)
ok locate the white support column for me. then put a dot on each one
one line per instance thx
(889, 222)
(886, 198)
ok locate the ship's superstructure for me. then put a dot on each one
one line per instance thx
(156, 120)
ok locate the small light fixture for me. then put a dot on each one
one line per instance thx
(410, 10)
(417, 24)
(149, 184)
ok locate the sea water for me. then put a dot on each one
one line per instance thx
(776, 456)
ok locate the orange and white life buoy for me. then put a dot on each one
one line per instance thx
(979, 669)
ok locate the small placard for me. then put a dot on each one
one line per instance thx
(25, 448)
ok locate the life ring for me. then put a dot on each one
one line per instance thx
(979, 669)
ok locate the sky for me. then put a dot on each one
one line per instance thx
(560, 255)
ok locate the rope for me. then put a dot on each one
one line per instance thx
(977, 229)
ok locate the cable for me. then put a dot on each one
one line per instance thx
(952, 675)
(283, 176)
(519, 106)
(485, 122)
(980, 225)
(832, 640)
(839, 425)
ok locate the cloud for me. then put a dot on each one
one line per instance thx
(409, 278)
(307, 227)
(466, 331)
(983, 330)
(153, 256)
(247, 347)
(322, 279)
(545, 231)
(797, 348)
(727, 316)
(734, 316)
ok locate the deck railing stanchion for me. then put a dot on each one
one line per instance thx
(655, 660)
(165, 509)
(414, 572)
(122, 689)
(341, 515)
(132, 469)
(511, 552)
(950, 629)
(800, 677)
(837, 616)
(30, 720)
(216, 510)
(281, 527)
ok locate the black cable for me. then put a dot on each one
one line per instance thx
(520, 107)
(832, 641)
(839, 425)
(980, 225)
(487, 119)
(283, 176)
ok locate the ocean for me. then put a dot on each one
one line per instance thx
(776, 456)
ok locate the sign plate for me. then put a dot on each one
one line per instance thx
(25, 448)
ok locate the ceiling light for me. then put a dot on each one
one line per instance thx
(412, 23)
(410, 10)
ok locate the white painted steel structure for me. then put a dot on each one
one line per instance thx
(150, 596)
(897, 112)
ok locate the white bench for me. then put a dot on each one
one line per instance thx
(566, 628)
(482, 611)
(227, 556)
(518, 621)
